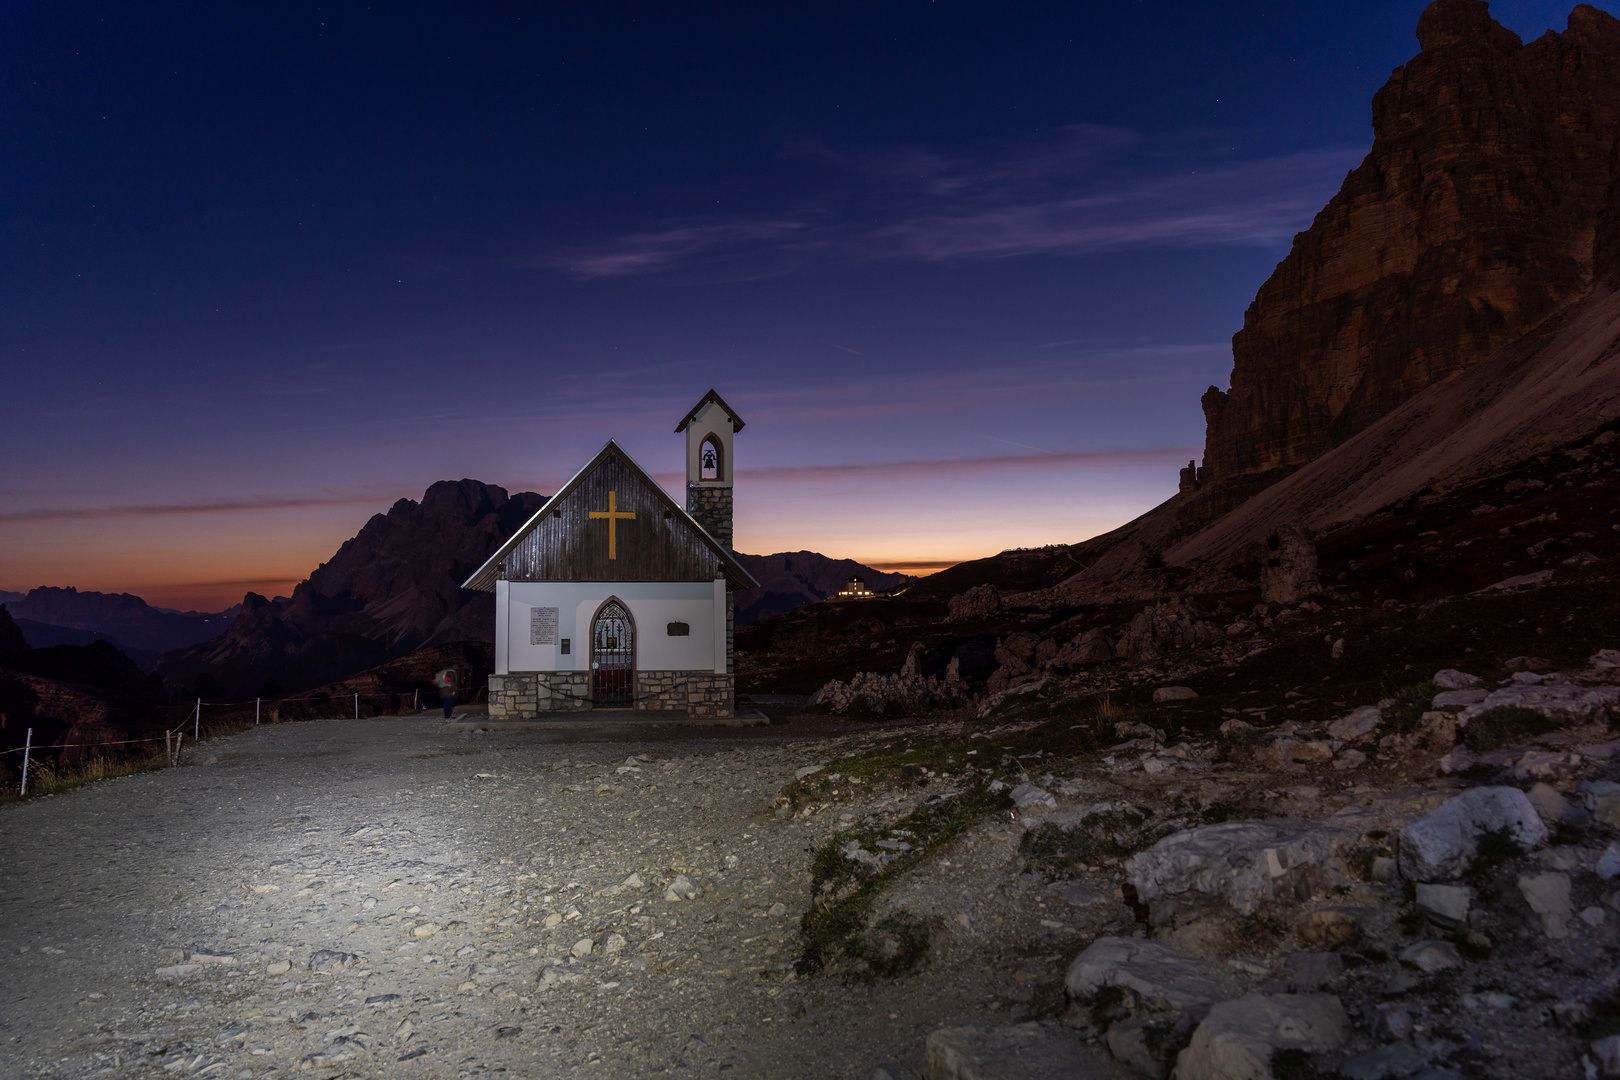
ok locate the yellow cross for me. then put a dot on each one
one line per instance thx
(614, 515)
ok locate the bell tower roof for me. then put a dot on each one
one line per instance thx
(711, 396)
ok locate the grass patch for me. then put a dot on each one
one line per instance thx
(1103, 837)
(1504, 726)
(1411, 702)
(1493, 849)
(48, 778)
(844, 889)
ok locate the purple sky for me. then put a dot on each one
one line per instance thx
(964, 272)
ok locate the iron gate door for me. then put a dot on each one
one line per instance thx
(613, 658)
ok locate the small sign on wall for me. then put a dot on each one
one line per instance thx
(543, 626)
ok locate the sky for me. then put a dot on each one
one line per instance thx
(963, 268)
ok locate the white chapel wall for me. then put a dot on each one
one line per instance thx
(652, 604)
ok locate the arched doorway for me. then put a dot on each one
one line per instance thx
(613, 657)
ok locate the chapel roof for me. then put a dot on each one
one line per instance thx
(737, 576)
(736, 421)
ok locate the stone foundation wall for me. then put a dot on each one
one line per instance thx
(517, 697)
(528, 696)
(710, 695)
(661, 690)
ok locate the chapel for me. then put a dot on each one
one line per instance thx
(615, 596)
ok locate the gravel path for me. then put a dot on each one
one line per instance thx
(467, 893)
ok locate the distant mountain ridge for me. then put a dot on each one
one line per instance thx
(790, 579)
(66, 616)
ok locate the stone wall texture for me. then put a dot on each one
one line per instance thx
(1483, 207)
(710, 507)
(533, 694)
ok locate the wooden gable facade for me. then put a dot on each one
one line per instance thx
(611, 522)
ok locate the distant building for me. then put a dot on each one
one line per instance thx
(615, 596)
(855, 589)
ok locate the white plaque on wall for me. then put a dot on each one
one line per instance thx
(542, 626)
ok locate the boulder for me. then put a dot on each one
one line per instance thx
(1164, 978)
(1288, 571)
(1362, 722)
(1430, 957)
(1174, 693)
(1459, 699)
(1565, 702)
(976, 603)
(1016, 1052)
(1091, 647)
(1548, 897)
(1608, 864)
(1445, 905)
(1238, 1038)
(1452, 679)
(1171, 625)
(1440, 845)
(1245, 863)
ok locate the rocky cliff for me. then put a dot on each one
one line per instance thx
(1483, 207)
(392, 589)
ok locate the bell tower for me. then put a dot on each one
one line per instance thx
(709, 428)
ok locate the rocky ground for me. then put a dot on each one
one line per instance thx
(402, 897)
(1234, 873)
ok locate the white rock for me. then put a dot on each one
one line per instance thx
(1446, 905)
(1174, 693)
(1604, 659)
(1459, 699)
(1237, 1039)
(1432, 956)
(1555, 809)
(1349, 759)
(1593, 916)
(800, 774)
(1452, 679)
(1606, 1054)
(1162, 976)
(1442, 843)
(1558, 701)
(1031, 795)
(278, 967)
(1362, 721)
(1608, 864)
(681, 889)
(582, 948)
(1240, 861)
(632, 882)
(614, 943)
(1548, 897)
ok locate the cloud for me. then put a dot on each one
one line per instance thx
(1084, 190)
(205, 506)
(889, 471)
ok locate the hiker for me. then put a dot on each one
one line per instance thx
(448, 683)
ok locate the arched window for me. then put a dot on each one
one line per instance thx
(711, 460)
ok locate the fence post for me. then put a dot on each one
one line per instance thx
(255, 712)
(357, 705)
(196, 721)
(28, 747)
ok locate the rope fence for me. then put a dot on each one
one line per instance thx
(393, 703)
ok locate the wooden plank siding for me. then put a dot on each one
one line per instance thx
(569, 545)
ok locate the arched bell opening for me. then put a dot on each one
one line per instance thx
(711, 459)
(613, 656)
